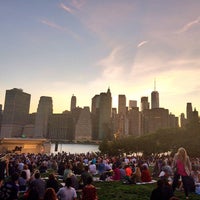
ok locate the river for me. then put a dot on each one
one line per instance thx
(75, 148)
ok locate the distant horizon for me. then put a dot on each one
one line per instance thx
(82, 47)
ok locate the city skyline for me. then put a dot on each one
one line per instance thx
(128, 103)
(82, 47)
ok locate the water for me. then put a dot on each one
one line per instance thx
(75, 148)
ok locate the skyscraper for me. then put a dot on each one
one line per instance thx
(132, 104)
(15, 115)
(105, 112)
(101, 115)
(189, 111)
(154, 98)
(44, 111)
(134, 119)
(83, 127)
(144, 103)
(122, 104)
(122, 115)
(73, 103)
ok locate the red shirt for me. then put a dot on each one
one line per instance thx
(145, 176)
(128, 171)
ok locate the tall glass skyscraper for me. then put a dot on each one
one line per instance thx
(154, 99)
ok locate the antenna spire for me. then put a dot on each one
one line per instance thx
(154, 84)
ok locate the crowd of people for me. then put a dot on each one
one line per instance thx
(66, 176)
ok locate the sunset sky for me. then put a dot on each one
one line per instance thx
(82, 47)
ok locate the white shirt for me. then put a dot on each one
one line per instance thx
(67, 193)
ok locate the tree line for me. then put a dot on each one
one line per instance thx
(163, 140)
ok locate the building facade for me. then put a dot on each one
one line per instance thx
(154, 99)
(15, 113)
(61, 127)
(44, 111)
(144, 103)
(122, 115)
(134, 118)
(83, 127)
(101, 115)
(73, 103)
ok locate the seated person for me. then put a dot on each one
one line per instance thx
(89, 191)
(137, 175)
(116, 173)
(163, 191)
(145, 174)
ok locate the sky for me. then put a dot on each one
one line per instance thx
(83, 47)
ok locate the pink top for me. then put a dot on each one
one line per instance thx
(181, 168)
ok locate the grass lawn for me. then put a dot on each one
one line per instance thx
(120, 191)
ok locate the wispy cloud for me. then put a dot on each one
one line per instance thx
(60, 28)
(189, 25)
(142, 43)
(66, 8)
(72, 6)
(112, 68)
(53, 25)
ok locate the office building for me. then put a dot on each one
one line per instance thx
(154, 119)
(144, 103)
(154, 99)
(122, 104)
(73, 103)
(122, 115)
(183, 120)
(15, 114)
(189, 111)
(44, 111)
(95, 116)
(134, 119)
(132, 104)
(61, 127)
(101, 115)
(83, 127)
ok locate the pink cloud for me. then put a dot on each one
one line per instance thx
(189, 25)
(58, 27)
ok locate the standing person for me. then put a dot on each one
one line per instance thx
(67, 171)
(28, 172)
(22, 181)
(67, 192)
(182, 165)
(89, 191)
(39, 185)
(50, 194)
